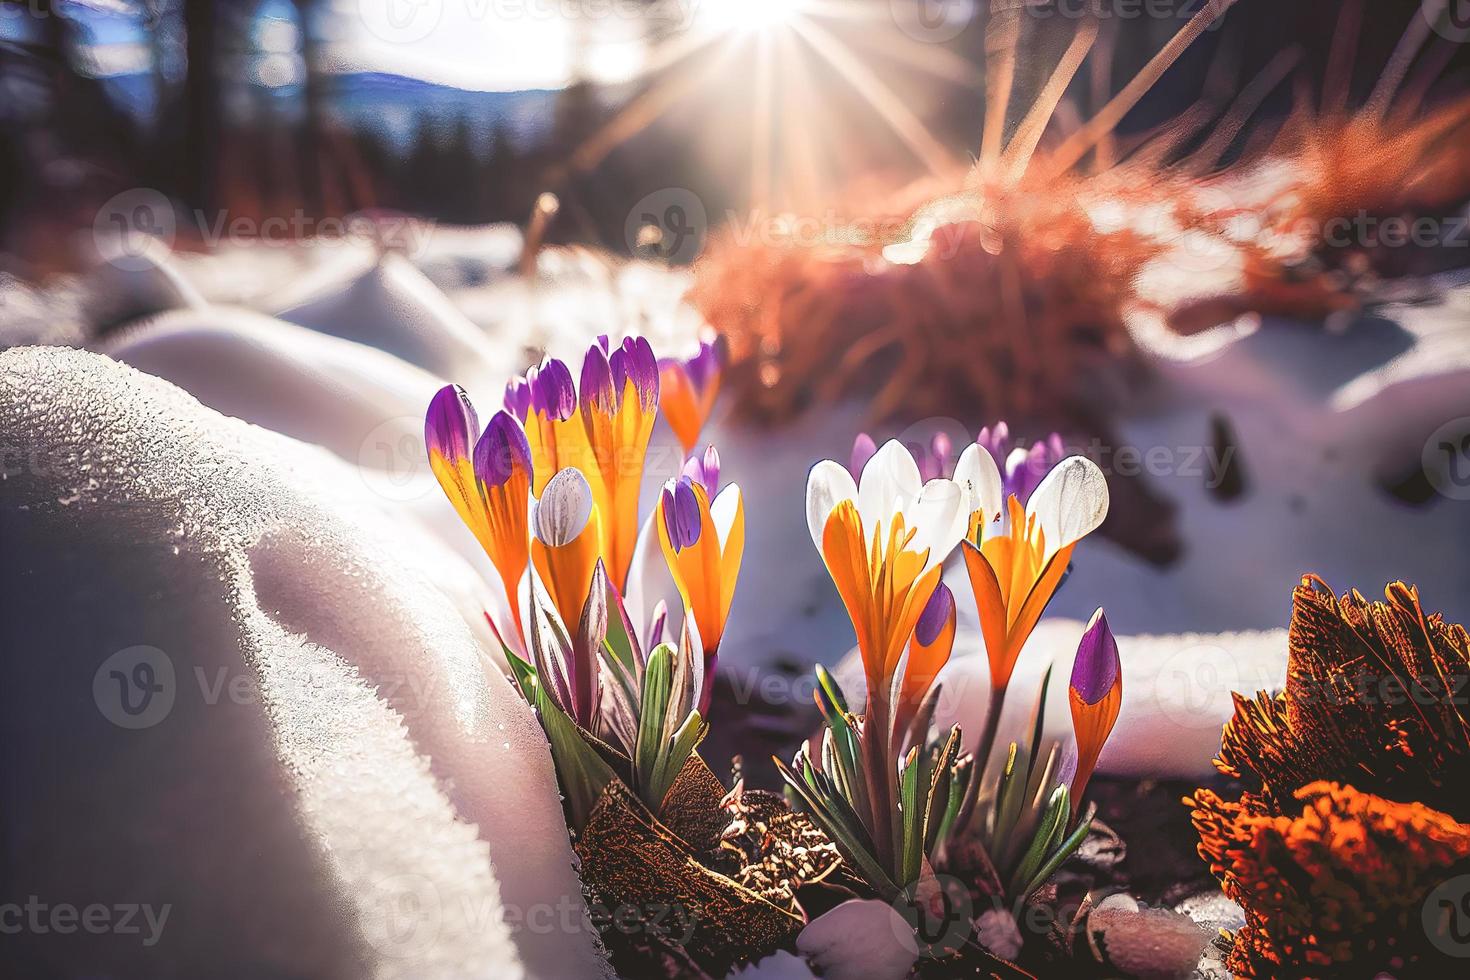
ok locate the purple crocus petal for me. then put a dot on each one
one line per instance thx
(502, 451)
(597, 382)
(863, 449)
(704, 470)
(942, 449)
(602, 342)
(635, 360)
(518, 398)
(450, 424)
(1096, 668)
(656, 624)
(681, 514)
(711, 470)
(996, 441)
(694, 470)
(704, 367)
(935, 615)
(552, 391)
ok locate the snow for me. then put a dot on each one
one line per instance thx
(335, 784)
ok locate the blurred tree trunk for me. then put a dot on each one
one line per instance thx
(202, 105)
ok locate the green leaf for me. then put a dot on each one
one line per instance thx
(652, 737)
(1048, 833)
(910, 817)
(841, 825)
(522, 673)
(1059, 855)
(581, 771)
(827, 684)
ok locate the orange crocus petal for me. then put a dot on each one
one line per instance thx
(566, 571)
(1092, 723)
(732, 552)
(844, 550)
(458, 481)
(680, 404)
(509, 533)
(557, 444)
(617, 443)
(883, 586)
(1013, 583)
(925, 662)
(990, 603)
(705, 572)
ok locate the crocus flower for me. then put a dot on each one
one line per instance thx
(1016, 558)
(489, 486)
(687, 392)
(703, 543)
(600, 427)
(565, 548)
(883, 541)
(1096, 694)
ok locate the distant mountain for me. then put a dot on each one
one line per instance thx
(398, 105)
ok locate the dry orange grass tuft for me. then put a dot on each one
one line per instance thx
(1356, 773)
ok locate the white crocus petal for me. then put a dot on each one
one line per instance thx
(564, 508)
(978, 475)
(890, 482)
(939, 518)
(722, 511)
(1070, 503)
(827, 485)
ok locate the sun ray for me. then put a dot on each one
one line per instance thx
(889, 107)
